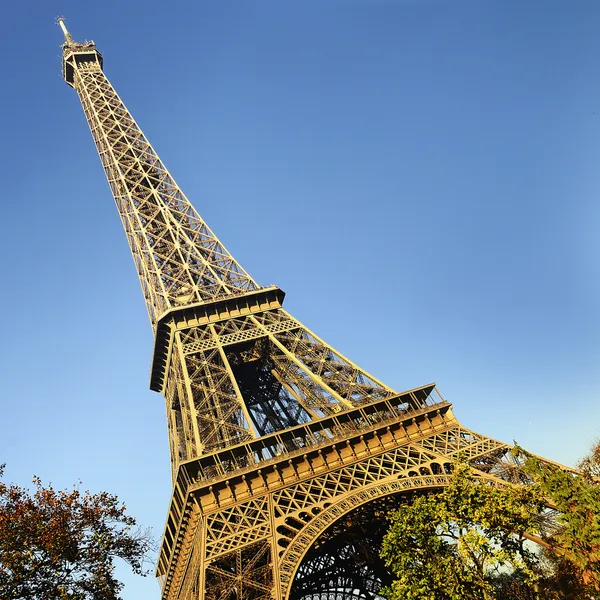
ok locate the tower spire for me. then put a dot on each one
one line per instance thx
(179, 259)
(61, 23)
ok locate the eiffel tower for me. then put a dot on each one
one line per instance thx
(286, 456)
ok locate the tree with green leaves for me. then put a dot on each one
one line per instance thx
(590, 465)
(468, 541)
(450, 545)
(576, 498)
(62, 544)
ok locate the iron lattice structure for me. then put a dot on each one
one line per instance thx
(285, 455)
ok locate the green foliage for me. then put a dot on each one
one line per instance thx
(61, 545)
(449, 545)
(468, 541)
(577, 500)
(558, 580)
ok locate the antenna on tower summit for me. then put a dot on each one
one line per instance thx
(61, 23)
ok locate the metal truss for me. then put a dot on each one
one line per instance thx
(286, 456)
(178, 258)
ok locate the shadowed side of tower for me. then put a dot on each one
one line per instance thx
(285, 454)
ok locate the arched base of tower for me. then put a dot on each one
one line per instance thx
(344, 563)
(308, 524)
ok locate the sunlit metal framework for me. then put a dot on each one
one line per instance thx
(286, 456)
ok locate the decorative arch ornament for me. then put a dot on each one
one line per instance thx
(292, 558)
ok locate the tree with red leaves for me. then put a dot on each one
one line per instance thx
(62, 545)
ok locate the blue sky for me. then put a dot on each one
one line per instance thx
(420, 177)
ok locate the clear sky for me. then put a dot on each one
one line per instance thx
(420, 177)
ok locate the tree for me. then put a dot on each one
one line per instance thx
(468, 541)
(576, 498)
(61, 545)
(451, 545)
(590, 465)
